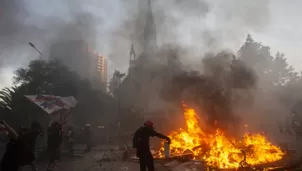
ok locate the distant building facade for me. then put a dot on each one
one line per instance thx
(74, 54)
(99, 72)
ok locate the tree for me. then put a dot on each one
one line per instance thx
(6, 96)
(272, 71)
(113, 85)
(282, 73)
(255, 55)
(15, 107)
(115, 82)
(52, 77)
(40, 77)
(46, 77)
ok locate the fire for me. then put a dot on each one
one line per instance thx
(219, 151)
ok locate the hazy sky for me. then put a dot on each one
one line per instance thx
(206, 24)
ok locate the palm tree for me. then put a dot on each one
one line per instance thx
(6, 98)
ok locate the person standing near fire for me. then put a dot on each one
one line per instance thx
(141, 143)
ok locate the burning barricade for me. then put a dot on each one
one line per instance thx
(217, 150)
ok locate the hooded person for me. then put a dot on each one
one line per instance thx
(141, 143)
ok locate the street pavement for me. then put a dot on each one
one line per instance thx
(102, 158)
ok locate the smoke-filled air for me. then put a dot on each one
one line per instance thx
(218, 81)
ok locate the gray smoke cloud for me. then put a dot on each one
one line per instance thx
(29, 21)
(12, 28)
(197, 27)
(198, 23)
(186, 30)
(211, 89)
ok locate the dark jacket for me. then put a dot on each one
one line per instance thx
(54, 137)
(27, 143)
(10, 156)
(142, 135)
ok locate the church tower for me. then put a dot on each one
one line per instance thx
(150, 40)
(132, 59)
(135, 85)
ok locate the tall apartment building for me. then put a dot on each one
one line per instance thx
(99, 71)
(102, 68)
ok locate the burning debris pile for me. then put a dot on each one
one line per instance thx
(219, 151)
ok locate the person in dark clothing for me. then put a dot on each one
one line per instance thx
(141, 143)
(28, 142)
(54, 140)
(22, 130)
(88, 138)
(9, 161)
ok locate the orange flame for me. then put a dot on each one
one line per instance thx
(219, 151)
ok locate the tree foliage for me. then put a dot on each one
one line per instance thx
(46, 77)
(49, 77)
(274, 70)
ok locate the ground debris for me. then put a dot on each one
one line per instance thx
(109, 156)
(189, 166)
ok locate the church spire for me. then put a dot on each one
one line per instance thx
(132, 58)
(132, 53)
(150, 43)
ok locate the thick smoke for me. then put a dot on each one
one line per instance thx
(22, 22)
(18, 26)
(199, 26)
(211, 89)
(195, 27)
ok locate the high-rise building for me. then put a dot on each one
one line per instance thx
(99, 71)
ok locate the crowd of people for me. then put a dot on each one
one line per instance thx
(20, 148)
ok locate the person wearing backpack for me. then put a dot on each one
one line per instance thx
(141, 143)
